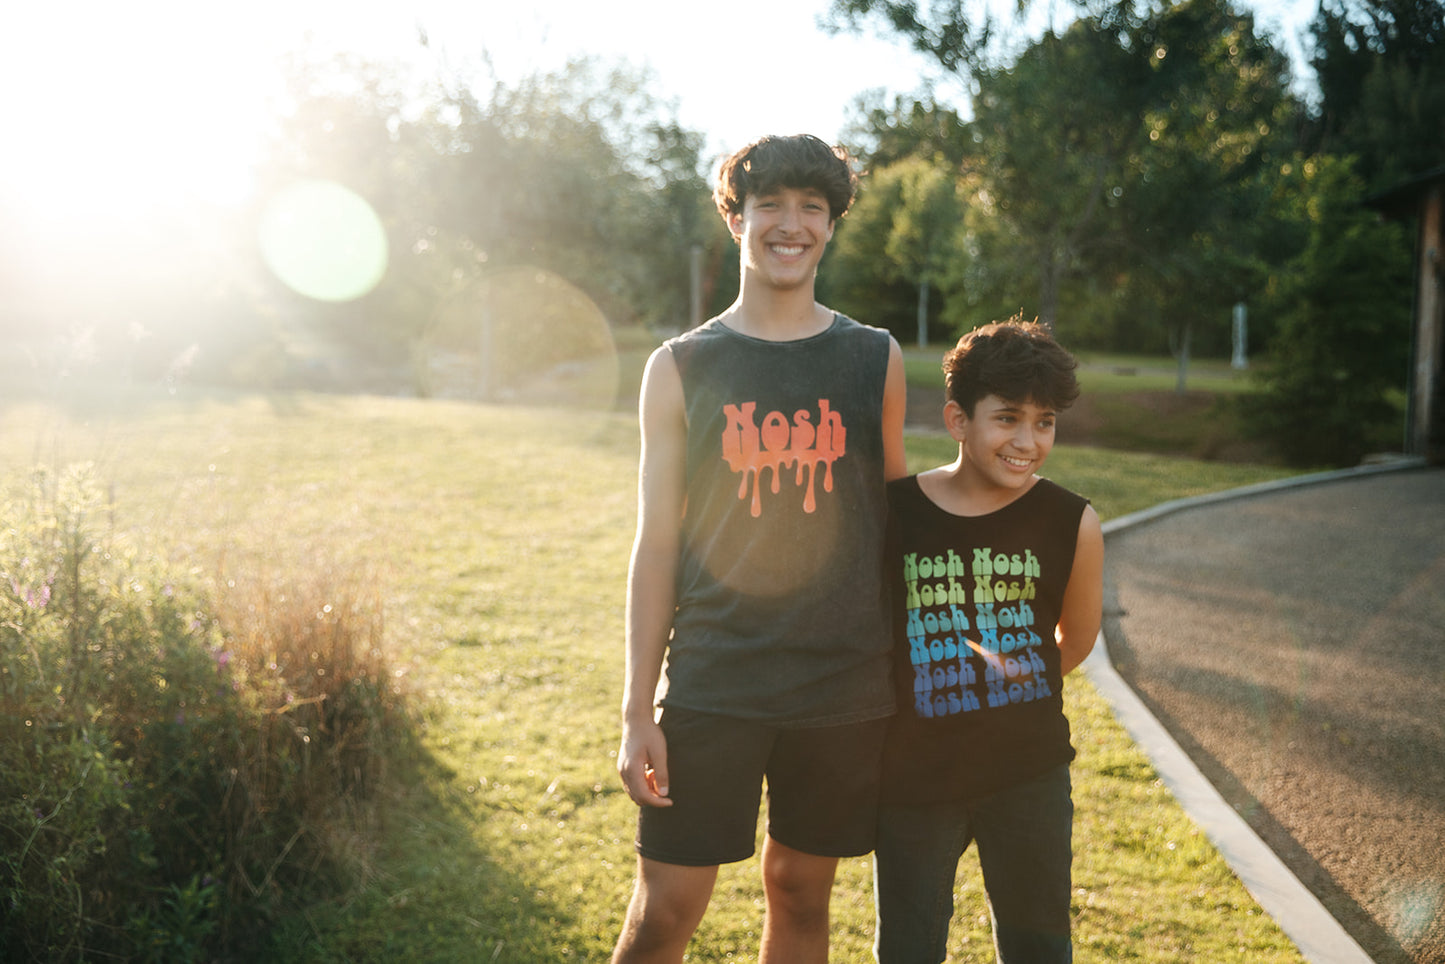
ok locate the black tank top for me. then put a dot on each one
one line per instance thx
(781, 613)
(980, 693)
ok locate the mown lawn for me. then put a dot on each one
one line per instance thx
(498, 538)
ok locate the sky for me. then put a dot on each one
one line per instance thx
(114, 109)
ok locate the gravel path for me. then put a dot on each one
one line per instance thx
(1294, 644)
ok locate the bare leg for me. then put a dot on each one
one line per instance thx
(667, 905)
(798, 887)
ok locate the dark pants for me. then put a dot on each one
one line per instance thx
(1024, 847)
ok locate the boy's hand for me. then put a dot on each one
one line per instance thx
(642, 763)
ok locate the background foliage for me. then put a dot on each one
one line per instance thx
(1127, 176)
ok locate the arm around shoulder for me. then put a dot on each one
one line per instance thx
(895, 407)
(1083, 609)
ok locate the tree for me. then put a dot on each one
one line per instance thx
(959, 42)
(885, 134)
(1342, 344)
(579, 174)
(1381, 71)
(921, 242)
(584, 173)
(1194, 188)
(1051, 134)
(900, 238)
(1118, 164)
(856, 274)
(355, 122)
(688, 228)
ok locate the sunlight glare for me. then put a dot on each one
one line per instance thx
(122, 112)
(526, 336)
(323, 241)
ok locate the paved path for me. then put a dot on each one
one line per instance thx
(1286, 643)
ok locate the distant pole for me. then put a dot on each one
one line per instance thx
(1181, 383)
(923, 314)
(1241, 338)
(486, 348)
(696, 280)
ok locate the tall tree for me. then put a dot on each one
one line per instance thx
(1342, 346)
(923, 237)
(345, 121)
(1381, 71)
(856, 274)
(1193, 190)
(901, 236)
(580, 173)
(942, 29)
(1051, 134)
(583, 172)
(1129, 147)
(885, 133)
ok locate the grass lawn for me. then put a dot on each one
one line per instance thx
(1108, 373)
(499, 539)
(1133, 403)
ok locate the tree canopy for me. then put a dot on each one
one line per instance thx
(1126, 175)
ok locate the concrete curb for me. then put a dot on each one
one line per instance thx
(1299, 913)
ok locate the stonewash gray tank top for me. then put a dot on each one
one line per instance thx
(781, 613)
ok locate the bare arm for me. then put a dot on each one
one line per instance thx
(1084, 597)
(895, 405)
(642, 756)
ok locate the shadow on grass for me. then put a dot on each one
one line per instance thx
(431, 891)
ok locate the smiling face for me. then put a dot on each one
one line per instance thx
(1003, 443)
(783, 234)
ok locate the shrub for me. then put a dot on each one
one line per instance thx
(177, 762)
(1341, 350)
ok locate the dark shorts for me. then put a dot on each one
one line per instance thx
(822, 789)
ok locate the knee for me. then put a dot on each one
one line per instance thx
(1046, 946)
(659, 920)
(798, 885)
(667, 905)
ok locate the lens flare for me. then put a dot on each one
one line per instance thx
(1414, 907)
(524, 335)
(323, 240)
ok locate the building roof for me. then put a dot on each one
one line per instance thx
(1400, 200)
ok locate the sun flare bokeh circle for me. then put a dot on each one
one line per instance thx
(323, 240)
(524, 335)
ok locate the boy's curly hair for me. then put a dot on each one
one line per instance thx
(1016, 360)
(796, 161)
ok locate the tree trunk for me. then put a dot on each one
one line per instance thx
(1181, 355)
(923, 314)
(1049, 281)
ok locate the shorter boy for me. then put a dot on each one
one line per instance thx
(1001, 585)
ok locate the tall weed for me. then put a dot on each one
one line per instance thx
(178, 760)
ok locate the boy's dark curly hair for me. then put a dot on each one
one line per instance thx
(1017, 360)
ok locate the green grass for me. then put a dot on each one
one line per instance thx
(499, 541)
(1134, 404)
(1111, 374)
(1130, 373)
(1117, 483)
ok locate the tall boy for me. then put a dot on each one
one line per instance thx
(1001, 576)
(768, 435)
